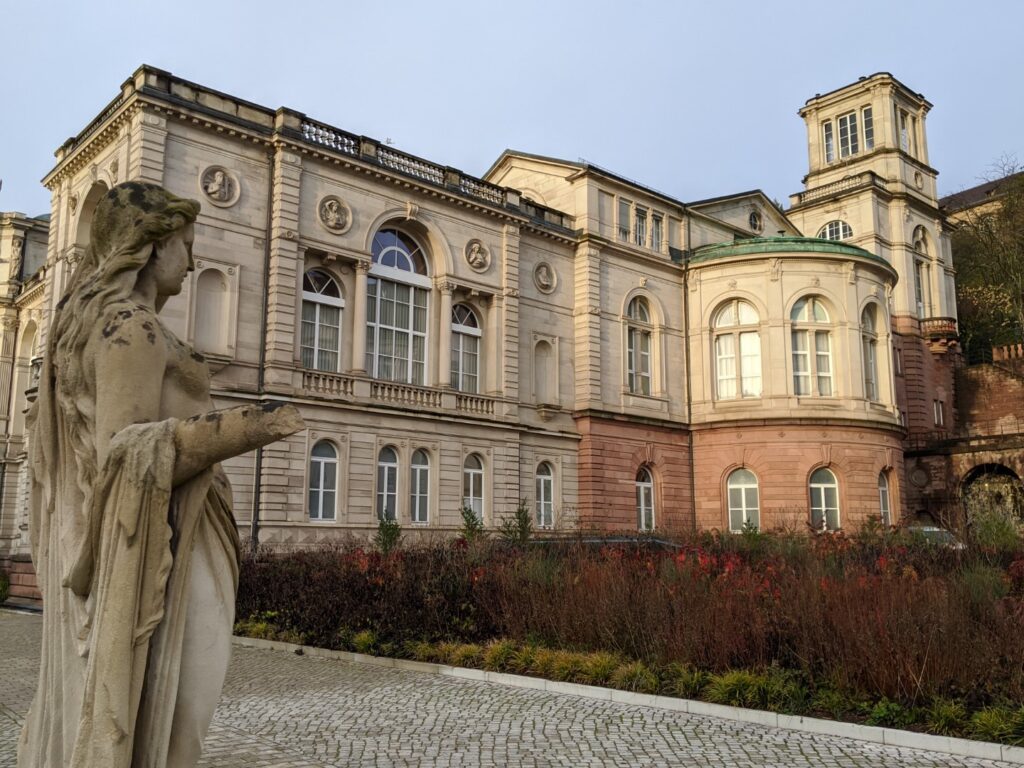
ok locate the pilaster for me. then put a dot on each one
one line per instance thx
(510, 312)
(587, 327)
(147, 144)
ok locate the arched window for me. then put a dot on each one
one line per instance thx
(473, 485)
(824, 501)
(644, 499)
(543, 386)
(812, 348)
(545, 495)
(869, 347)
(323, 481)
(920, 239)
(836, 230)
(736, 335)
(397, 292)
(465, 349)
(211, 311)
(387, 484)
(922, 273)
(743, 501)
(638, 346)
(419, 487)
(884, 498)
(320, 345)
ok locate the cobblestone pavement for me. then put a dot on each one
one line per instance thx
(285, 711)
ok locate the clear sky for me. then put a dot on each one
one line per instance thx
(695, 98)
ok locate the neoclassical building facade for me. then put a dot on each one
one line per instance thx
(550, 331)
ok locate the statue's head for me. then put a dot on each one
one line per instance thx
(132, 216)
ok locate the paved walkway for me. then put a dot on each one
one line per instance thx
(285, 711)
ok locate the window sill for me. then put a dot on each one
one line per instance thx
(646, 402)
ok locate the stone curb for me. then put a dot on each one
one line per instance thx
(888, 736)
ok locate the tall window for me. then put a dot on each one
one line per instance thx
(848, 141)
(624, 209)
(743, 505)
(869, 128)
(320, 345)
(869, 346)
(545, 495)
(736, 336)
(824, 501)
(645, 499)
(638, 346)
(922, 286)
(883, 498)
(836, 230)
(323, 481)
(419, 487)
(812, 348)
(465, 349)
(830, 142)
(903, 129)
(640, 228)
(473, 485)
(387, 484)
(396, 309)
(656, 232)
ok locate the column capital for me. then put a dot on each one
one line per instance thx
(445, 286)
(362, 266)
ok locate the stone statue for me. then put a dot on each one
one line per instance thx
(133, 539)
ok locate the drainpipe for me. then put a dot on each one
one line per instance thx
(254, 525)
(689, 377)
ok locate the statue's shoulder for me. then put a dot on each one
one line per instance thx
(126, 323)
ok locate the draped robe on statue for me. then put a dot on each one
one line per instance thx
(114, 559)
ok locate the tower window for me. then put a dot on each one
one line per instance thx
(869, 128)
(848, 141)
(830, 146)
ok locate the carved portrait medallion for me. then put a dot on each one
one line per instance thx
(334, 215)
(477, 256)
(219, 186)
(544, 277)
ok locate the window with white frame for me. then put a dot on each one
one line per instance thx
(466, 335)
(638, 346)
(883, 498)
(922, 288)
(836, 230)
(640, 227)
(645, 499)
(545, 495)
(473, 485)
(829, 141)
(624, 211)
(812, 348)
(737, 344)
(396, 309)
(419, 487)
(323, 481)
(939, 412)
(657, 229)
(824, 490)
(743, 502)
(320, 342)
(869, 349)
(869, 128)
(848, 139)
(387, 484)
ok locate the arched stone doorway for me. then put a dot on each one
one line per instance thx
(993, 489)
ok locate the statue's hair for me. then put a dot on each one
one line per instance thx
(128, 222)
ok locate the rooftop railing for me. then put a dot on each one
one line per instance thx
(858, 181)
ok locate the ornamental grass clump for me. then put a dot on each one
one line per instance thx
(498, 654)
(635, 676)
(946, 717)
(683, 681)
(599, 667)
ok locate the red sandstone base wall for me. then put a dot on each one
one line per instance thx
(783, 458)
(23, 578)
(610, 454)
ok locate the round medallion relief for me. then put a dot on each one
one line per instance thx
(919, 477)
(477, 256)
(544, 277)
(220, 186)
(334, 215)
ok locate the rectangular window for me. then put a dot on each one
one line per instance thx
(396, 328)
(870, 369)
(640, 229)
(387, 491)
(897, 358)
(869, 128)
(830, 147)
(420, 496)
(823, 362)
(725, 355)
(801, 364)
(656, 229)
(624, 207)
(921, 288)
(848, 141)
(638, 354)
(940, 416)
(903, 129)
(750, 364)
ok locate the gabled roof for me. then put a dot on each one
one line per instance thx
(968, 198)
